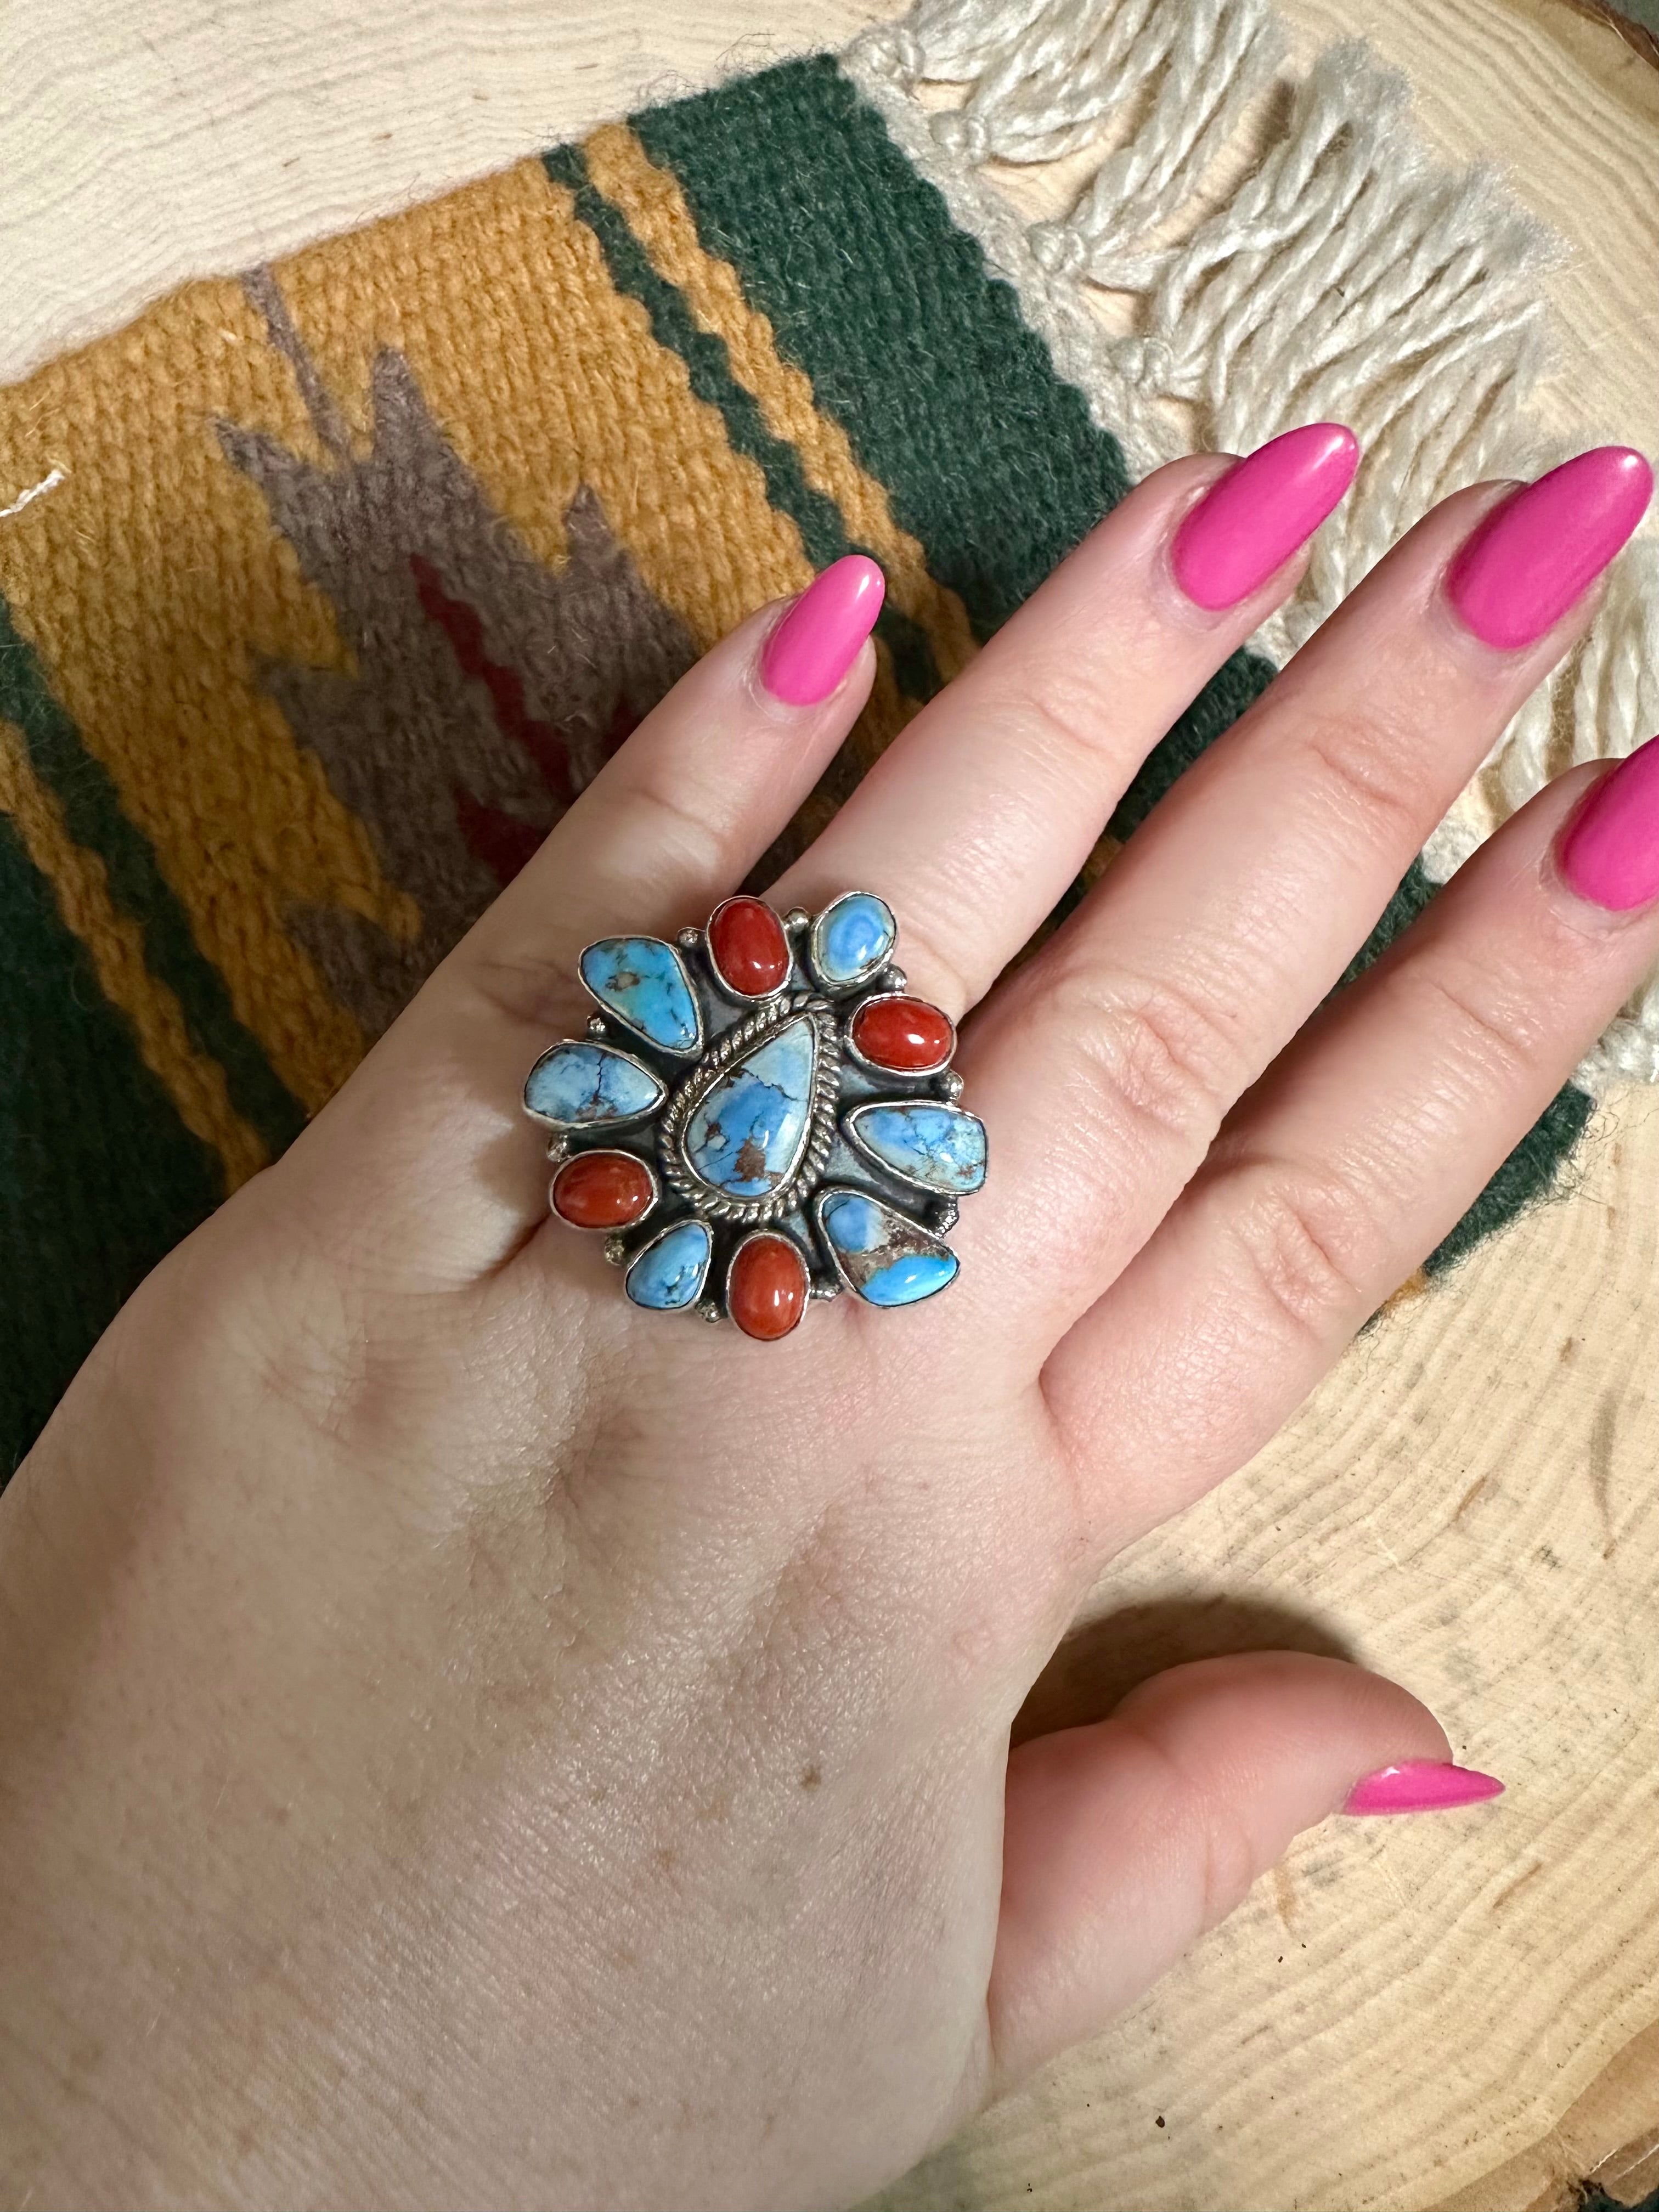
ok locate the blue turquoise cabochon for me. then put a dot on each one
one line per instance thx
(746, 1137)
(884, 1255)
(938, 1147)
(644, 983)
(669, 1274)
(578, 1085)
(851, 940)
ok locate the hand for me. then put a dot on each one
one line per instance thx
(466, 1739)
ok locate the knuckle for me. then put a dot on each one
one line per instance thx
(682, 840)
(1060, 716)
(1300, 1236)
(1161, 1055)
(1492, 1034)
(527, 990)
(1356, 764)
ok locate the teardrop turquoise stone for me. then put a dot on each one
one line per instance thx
(669, 1274)
(747, 1137)
(643, 982)
(581, 1086)
(889, 1260)
(941, 1147)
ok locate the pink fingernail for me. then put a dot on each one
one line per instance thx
(818, 640)
(1526, 562)
(1420, 1785)
(1609, 851)
(1251, 521)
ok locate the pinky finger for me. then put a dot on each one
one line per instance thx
(1364, 1145)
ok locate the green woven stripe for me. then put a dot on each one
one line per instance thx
(92, 810)
(1528, 1174)
(948, 397)
(99, 1177)
(708, 363)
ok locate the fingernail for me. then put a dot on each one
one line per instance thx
(1420, 1785)
(1251, 521)
(818, 640)
(1526, 562)
(1609, 851)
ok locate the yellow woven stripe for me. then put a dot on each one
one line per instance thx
(499, 288)
(654, 207)
(195, 1084)
(151, 584)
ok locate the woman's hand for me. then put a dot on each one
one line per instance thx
(465, 1740)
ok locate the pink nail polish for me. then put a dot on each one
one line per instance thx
(1250, 522)
(818, 640)
(1609, 851)
(1420, 1785)
(1526, 562)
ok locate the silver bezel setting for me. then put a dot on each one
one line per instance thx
(733, 1045)
(844, 985)
(605, 1228)
(748, 1237)
(732, 1024)
(732, 996)
(821, 1197)
(854, 1136)
(617, 1122)
(609, 1013)
(898, 1074)
(634, 1257)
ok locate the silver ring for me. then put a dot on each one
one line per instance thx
(760, 1113)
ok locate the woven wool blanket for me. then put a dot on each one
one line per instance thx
(323, 592)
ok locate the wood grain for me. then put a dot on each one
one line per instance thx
(1455, 2013)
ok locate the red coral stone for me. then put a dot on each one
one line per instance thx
(906, 1035)
(748, 947)
(766, 1290)
(602, 1190)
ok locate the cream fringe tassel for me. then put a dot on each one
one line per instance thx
(1348, 275)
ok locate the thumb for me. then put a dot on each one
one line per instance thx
(1125, 1840)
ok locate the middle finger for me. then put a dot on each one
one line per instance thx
(1105, 1068)
(980, 815)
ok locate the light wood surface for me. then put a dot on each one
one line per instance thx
(1410, 2014)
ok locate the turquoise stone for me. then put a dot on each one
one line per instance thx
(579, 1087)
(747, 1137)
(889, 1260)
(852, 939)
(940, 1147)
(641, 981)
(669, 1274)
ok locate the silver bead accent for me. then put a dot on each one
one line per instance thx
(797, 920)
(946, 1214)
(596, 1026)
(948, 1086)
(616, 1250)
(709, 1310)
(689, 939)
(558, 1149)
(826, 1287)
(893, 979)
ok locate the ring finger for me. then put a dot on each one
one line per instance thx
(1239, 903)
(1365, 1145)
(974, 821)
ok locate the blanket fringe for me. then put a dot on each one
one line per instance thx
(1345, 274)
